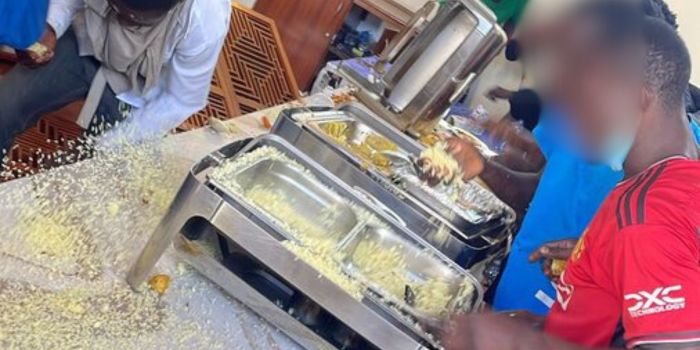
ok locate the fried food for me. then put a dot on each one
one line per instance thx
(369, 150)
(159, 283)
(430, 139)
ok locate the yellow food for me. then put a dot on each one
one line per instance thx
(38, 48)
(369, 150)
(319, 255)
(437, 163)
(65, 255)
(277, 205)
(159, 283)
(430, 139)
(266, 122)
(316, 242)
(558, 266)
(387, 270)
(384, 268)
(433, 297)
(113, 209)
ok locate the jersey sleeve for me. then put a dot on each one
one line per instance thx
(656, 275)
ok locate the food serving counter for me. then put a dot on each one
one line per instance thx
(338, 244)
(332, 267)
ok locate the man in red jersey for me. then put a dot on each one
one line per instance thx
(633, 279)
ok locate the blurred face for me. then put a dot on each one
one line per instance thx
(601, 94)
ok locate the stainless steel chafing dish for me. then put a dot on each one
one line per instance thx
(422, 266)
(311, 197)
(466, 230)
(432, 64)
(242, 245)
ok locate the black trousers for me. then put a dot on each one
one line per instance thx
(27, 94)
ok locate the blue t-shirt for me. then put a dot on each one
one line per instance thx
(568, 196)
(22, 22)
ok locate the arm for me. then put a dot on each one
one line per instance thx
(61, 14)
(514, 188)
(520, 160)
(184, 86)
(497, 331)
(521, 152)
(58, 19)
(489, 331)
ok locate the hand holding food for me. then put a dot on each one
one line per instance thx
(41, 52)
(445, 162)
(554, 256)
(470, 160)
(437, 166)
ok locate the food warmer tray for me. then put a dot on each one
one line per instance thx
(465, 237)
(250, 262)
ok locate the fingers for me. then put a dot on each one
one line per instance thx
(554, 250)
(428, 172)
(537, 255)
(561, 253)
(566, 243)
(42, 59)
(527, 318)
(33, 60)
(471, 161)
(550, 252)
(547, 268)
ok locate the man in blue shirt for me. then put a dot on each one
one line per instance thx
(23, 22)
(569, 193)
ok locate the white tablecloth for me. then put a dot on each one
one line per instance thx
(118, 202)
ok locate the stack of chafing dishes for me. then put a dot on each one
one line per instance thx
(331, 236)
(311, 254)
(432, 64)
(372, 156)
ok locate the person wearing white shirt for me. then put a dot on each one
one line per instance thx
(150, 62)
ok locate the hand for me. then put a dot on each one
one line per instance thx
(499, 93)
(468, 157)
(485, 331)
(434, 173)
(552, 255)
(40, 53)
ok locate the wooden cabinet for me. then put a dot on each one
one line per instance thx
(307, 28)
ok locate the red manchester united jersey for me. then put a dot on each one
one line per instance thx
(637, 267)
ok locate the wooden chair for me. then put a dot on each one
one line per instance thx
(253, 71)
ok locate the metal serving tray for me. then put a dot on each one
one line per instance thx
(316, 190)
(486, 219)
(360, 140)
(422, 265)
(309, 197)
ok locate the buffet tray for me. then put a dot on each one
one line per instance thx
(421, 267)
(476, 213)
(314, 191)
